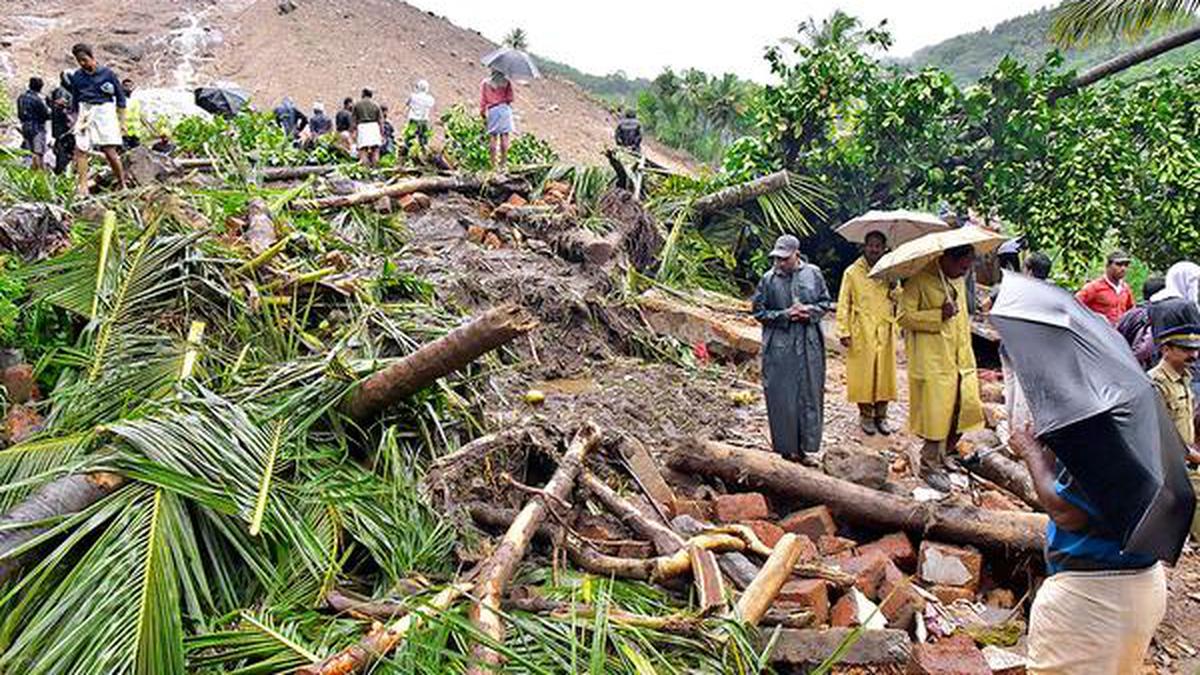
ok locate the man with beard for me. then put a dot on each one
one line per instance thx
(866, 325)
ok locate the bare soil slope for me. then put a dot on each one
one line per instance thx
(320, 51)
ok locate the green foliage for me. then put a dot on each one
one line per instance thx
(467, 143)
(516, 38)
(1079, 21)
(1028, 38)
(12, 292)
(696, 112)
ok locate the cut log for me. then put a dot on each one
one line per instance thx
(645, 472)
(584, 246)
(62, 497)
(775, 572)
(439, 358)
(706, 576)
(736, 195)
(740, 570)
(498, 570)
(992, 465)
(666, 541)
(731, 336)
(427, 185)
(860, 505)
(1128, 60)
(381, 640)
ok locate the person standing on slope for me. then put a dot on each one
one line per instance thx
(99, 102)
(495, 106)
(368, 128)
(420, 108)
(866, 325)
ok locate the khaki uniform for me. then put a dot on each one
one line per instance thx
(941, 363)
(1176, 392)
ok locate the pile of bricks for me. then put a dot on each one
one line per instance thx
(20, 392)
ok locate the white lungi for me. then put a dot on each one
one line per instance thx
(369, 135)
(1095, 623)
(97, 126)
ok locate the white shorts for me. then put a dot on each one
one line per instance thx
(97, 126)
(369, 135)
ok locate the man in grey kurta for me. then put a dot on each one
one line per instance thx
(789, 303)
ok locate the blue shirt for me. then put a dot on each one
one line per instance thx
(1090, 548)
(99, 86)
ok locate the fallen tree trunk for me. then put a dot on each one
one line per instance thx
(381, 640)
(858, 504)
(276, 173)
(498, 570)
(735, 195)
(992, 465)
(775, 572)
(1128, 60)
(439, 358)
(62, 497)
(569, 239)
(427, 184)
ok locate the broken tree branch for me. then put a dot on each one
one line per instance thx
(992, 465)
(498, 570)
(439, 358)
(428, 184)
(381, 640)
(735, 195)
(775, 572)
(858, 504)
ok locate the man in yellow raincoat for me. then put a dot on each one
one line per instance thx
(866, 325)
(943, 385)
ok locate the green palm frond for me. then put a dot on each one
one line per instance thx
(256, 644)
(26, 466)
(118, 609)
(1079, 21)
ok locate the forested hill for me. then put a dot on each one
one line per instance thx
(970, 56)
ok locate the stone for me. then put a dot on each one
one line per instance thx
(743, 506)
(147, 167)
(861, 466)
(948, 595)
(415, 202)
(901, 605)
(812, 522)
(20, 423)
(807, 647)
(955, 655)
(767, 532)
(1001, 598)
(946, 565)
(897, 547)
(833, 545)
(811, 594)
(11, 357)
(868, 570)
(1003, 661)
(19, 383)
(696, 508)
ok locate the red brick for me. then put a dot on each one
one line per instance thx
(845, 611)
(901, 605)
(767, 532)
(19, 382)
(808, 550)
(956, 655)
(946, 565)
(868, 571)
(811, 594)
(414, 202)
(813, 522)
(696, 508)
(897, 547)
(832, 546)
(741, 507)
(951, 594)
(516, 200)
(892, 577)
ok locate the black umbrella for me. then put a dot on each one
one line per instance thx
(1096, 410)
(220, 101)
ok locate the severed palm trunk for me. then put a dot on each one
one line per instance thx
(736, 195)
(453, 351)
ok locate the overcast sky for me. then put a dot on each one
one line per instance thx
(642, 36)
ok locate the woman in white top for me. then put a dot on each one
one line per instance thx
(420, 107)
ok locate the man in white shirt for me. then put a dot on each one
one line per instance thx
(420, 107)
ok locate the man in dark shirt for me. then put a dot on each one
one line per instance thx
(629, 132)
(60, 129)
(389, 133)
(343, 120)
(288, 116)
(99, 101)
(33, 115)
(368, 132)
(319, 124)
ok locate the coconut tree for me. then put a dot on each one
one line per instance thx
(1081, 20)
(517, 38)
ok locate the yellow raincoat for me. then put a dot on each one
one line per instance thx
(866, 313)
(941, 364)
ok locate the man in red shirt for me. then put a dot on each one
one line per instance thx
(1109, 296)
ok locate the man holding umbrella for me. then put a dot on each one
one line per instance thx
(789, 303)
(866, 325)
(943, 385)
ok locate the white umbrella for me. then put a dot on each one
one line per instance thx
(514, 63)
(898, 226)
(912, 257)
